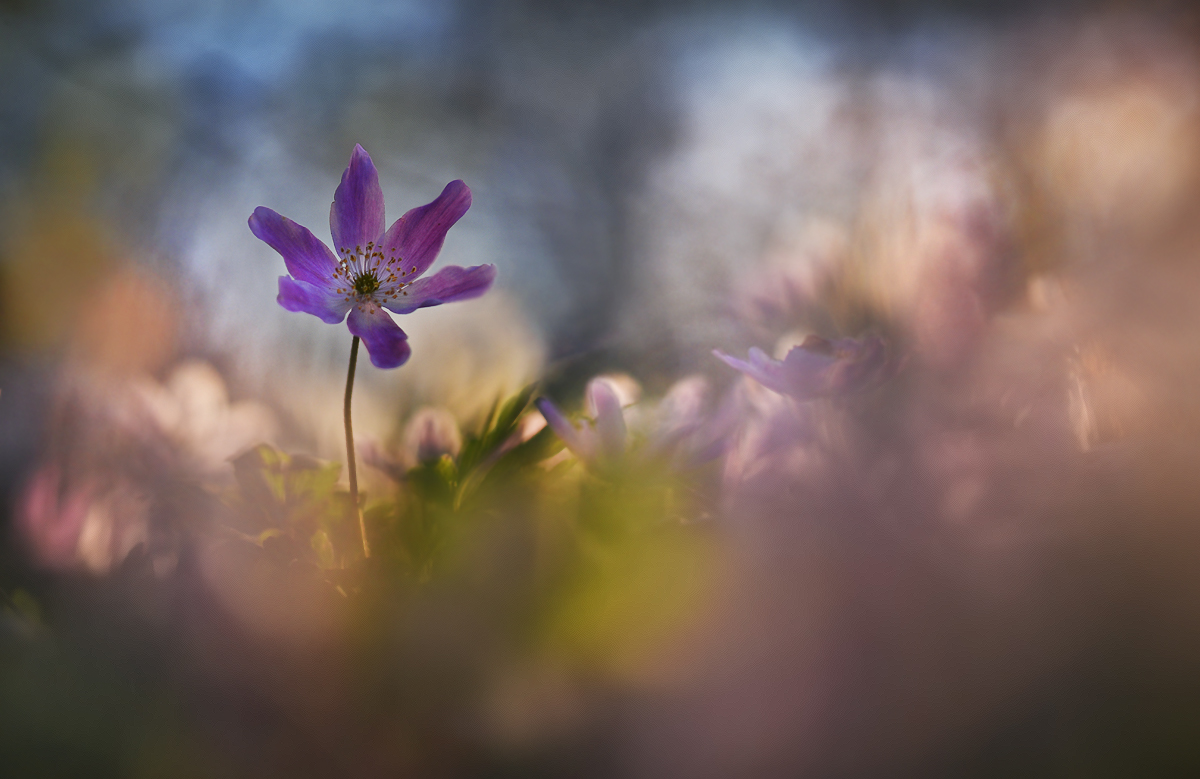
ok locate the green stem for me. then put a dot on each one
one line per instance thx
(362, 525)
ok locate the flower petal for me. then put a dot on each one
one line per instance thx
(761, 368)
(820, 368)
(803, 374)
(321, 302)
(356, 216)
(604, 403)
(386, 342)
(806, 372)
(451, 283)
(417, 237)
(581, 442)
(306, 258)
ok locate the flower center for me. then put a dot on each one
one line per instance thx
(366, 283)
(368, 275)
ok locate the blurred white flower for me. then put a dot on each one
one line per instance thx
(193, 410)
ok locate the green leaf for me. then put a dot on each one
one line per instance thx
(541, 446)
(506, 421)
(259, 474)
(279, 491)
(435, 481)
(499, 426)
(311, 482)
(525, 455)
(324, 548)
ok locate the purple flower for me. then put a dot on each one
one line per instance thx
(602, 439)
(819, 367)
(372, 269)
(677, 430)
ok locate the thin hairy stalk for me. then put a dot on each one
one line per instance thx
(350, 462)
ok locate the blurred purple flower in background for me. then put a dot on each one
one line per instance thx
(430, 434)
(819, 367)
(679, 428)
(598, 440)
(376, 269)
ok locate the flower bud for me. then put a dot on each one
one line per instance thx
(431, 433)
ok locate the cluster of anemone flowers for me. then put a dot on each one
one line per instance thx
(792, 509)
(372, 271)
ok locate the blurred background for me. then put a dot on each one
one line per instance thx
(986, 567)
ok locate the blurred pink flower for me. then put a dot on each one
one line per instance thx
(80, 525)
(50, 515)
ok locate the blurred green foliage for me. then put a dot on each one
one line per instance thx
(291, 507)
(498, 573)
(611, 564)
